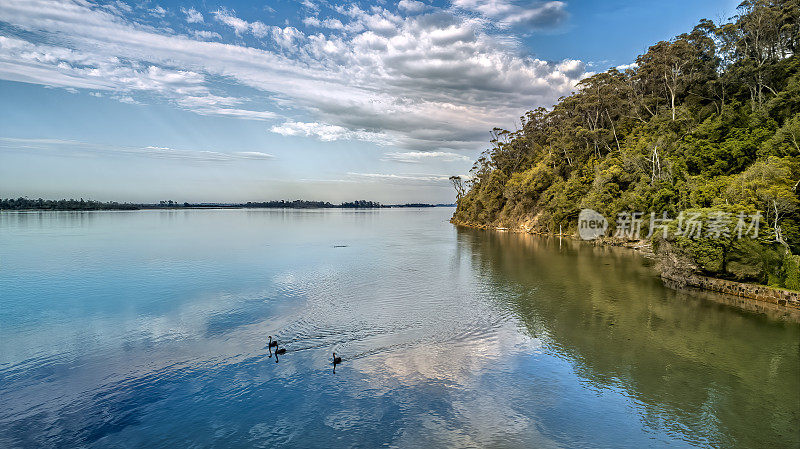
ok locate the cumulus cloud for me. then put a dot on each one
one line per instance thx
(432, 80)
(412, 6)
(239, 26)
(571, 68)
(625, 67)
(127, 99)
(192, 15)
(284, 37)
(333, 24)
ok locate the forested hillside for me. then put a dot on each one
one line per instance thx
(707, 122)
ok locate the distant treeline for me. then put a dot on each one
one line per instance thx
(71, 204)
(302, 204)
(423, 205)
(81, 204)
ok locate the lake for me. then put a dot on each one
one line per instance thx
(150, 329)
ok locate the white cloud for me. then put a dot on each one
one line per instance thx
(333, 24)
(310, 5)
(126, 99)
(327, 133)
(433, 81)
(286, 37)
(35, 63)
(239, 26)
(158, 11)
(283, 37)
(625, 67)
(118, 8)
(571, 68)
(401, 178)
(412, 6)
(253, 155)
(415, 157)
(505, 13)
(237, 113)
(206, 35)
(192, 15)
(82, 149)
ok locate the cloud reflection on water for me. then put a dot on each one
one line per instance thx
(449, 338)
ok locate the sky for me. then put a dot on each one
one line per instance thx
(229, 101)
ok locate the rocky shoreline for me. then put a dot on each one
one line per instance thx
(764, 293)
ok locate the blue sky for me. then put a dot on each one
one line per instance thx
(256, 100)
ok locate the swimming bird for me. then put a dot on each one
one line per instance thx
(279, 351)
(336, 361)
(272, 343)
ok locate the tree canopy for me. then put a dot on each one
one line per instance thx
(707, 120)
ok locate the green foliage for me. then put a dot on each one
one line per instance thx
(707, 192)
(786, 141)
(723, 144)
(709, 120)
(791, 272)
(720, 248)
(526, 187)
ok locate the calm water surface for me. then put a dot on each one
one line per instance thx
(149, 329)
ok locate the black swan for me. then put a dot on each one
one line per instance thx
(336, 361)
(279, 351)
(272, 343)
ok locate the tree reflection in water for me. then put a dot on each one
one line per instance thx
(713, 369)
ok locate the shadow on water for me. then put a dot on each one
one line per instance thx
(712, 369)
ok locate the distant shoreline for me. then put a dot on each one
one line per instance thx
(25, 204)
(387, 206)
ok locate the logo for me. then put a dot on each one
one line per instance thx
(591, 224)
